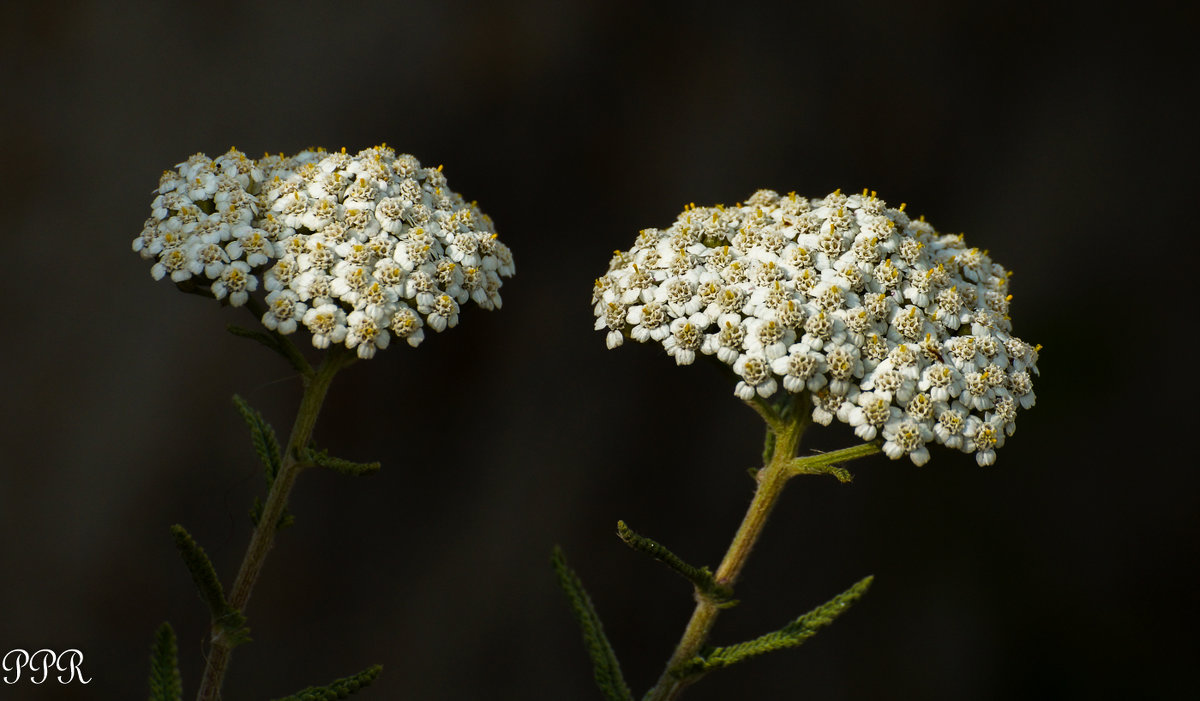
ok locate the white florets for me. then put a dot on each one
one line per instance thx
(897, 330)
(353, 248)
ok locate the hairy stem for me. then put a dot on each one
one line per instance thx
(221, 646)
(788, 425)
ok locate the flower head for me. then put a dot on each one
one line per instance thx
(345, 246)
(891, 327)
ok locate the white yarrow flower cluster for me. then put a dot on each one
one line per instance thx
(899, 331)
(358, 249)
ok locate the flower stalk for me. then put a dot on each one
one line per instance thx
(828, 308)
(787, 426)
(316, 386)
(358, 249)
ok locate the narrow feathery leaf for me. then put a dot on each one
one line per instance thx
(209, 585)
(700, 577)
(605, 667)
(321, 458)
(165, 683)
(263, 436)
(791, 635)
(337, 689)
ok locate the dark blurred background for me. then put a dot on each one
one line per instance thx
(1053, 135)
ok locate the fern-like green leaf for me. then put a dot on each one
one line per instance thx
(201, 569)
(285, 519)
(700, 577)
(338, 689)
(263, 436)
(209, 585)
(605, 667)
(165, 683)
(321, 458)
(791, 635)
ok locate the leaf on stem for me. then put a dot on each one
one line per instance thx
(700, 577)
(285, 519)
(201, 569)
(204, 575)
(266, 446)
(768, 447)
(830, 463)
(791, 635)
(165, 683)
(606, 669)
(276, 343)
(321, 458)
(838, 472)
(263, 436)
(338, 689)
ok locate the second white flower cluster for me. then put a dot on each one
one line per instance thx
(895, 329)
(356, 248)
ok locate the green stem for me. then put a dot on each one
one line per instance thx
(788, 427)
(316, 386)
